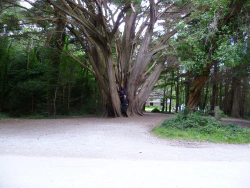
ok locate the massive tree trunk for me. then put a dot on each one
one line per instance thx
(196, 87)
(128, 56)
(137, 102)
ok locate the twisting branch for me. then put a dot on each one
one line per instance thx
(119, 18)
(78, 61)
(165, 10)
(89, 28)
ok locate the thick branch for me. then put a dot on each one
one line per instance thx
(119, 18)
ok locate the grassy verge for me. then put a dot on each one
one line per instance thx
(46, 116)
(194, 127)
(150, 108)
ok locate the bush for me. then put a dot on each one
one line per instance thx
(199, 128)
(188, 121)
(2, 116)
(155, 110)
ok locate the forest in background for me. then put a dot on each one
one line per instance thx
(47, 72)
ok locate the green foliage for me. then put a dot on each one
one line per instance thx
(3, 116)
(128, 1)
(232, 54)
(180, 2)
(121, 2)
(150, 108)
(27, 89)
(205, 39)
(155, 110)
(199, 128)
(24, 84)
(10, 20)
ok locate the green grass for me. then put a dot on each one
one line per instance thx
(198, 128)
(38, 116)
(2, 116)
(150, 108)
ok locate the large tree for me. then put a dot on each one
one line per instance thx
(120, 41)
(205, 37)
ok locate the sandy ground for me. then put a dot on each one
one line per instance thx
(113, 152)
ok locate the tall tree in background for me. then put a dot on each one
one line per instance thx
(215, 87)
(5, 50)
(56, 43)
(206, 35)
(8, 24)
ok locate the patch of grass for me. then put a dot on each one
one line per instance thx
(155, 110)
(46, 116)
(35, 116)
(194, 127)
(3, 116)
(150, 108)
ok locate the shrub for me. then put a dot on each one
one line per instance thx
(2, 116)
(155, 110)
(200, 128)
(187, 121)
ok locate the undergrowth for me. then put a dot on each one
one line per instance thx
(195, 127)
(3, 116)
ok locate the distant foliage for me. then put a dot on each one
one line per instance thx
(155, 110)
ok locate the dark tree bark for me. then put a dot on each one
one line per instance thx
(244, 101)
(236, 97)
(171, 92)
(220, 94)
(205, 96)
(164, 94)
(187, 89)
(227, 100)
(196, 87)
(246, 104)
(214, 87)
(177, 93)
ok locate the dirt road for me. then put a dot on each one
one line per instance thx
(107, 152)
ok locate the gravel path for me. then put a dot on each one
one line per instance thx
(120, 141)
(116, 138)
